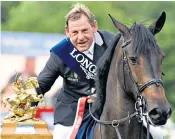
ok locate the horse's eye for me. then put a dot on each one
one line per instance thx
(133, 60)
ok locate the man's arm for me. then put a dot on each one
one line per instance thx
(49, 74)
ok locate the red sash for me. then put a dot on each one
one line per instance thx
(79, 116)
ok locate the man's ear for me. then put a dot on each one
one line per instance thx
(67, 31)
(95, 26)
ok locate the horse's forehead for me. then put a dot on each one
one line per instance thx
(146, 52)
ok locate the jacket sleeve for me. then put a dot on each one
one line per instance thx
(49, 74)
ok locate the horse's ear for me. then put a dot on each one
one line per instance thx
(124, 30)
(158, 25)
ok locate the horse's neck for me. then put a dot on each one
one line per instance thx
(118, 103)
(116, 97)
(117, 106)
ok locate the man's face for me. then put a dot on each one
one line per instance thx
(81, 33)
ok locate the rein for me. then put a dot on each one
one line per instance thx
(115, 123)
(140, 103)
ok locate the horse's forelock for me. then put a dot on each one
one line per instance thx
(143, 40)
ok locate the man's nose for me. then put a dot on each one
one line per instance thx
(80, 36)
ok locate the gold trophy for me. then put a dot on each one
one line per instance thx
(21, 122)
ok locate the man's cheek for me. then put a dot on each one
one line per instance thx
(73, 41)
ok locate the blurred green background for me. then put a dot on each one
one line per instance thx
(49, 17)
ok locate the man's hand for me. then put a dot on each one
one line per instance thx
(91, 98)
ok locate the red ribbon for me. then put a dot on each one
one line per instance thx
(79, 116)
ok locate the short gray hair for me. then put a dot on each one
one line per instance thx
(77, 11)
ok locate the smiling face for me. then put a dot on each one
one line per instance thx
(81, 32)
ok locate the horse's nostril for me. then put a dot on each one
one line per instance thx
(169, 113)
(155, 113)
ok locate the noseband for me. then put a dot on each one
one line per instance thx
(140, 104)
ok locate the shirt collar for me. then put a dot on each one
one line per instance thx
(98, 40)
(91, 49)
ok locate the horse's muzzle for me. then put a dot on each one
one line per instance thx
(159, 116)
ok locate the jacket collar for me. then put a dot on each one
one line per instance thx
(98, 39)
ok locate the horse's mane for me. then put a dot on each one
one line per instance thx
(103, 65)
(143, 41)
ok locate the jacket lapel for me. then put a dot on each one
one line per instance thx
(98, 52)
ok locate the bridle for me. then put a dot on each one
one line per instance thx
(140, 104)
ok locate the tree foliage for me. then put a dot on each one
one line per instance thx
(50, 17)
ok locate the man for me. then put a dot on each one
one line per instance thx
(81, 29)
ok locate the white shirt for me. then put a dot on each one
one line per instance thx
(90, 51)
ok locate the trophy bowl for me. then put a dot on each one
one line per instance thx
(21, 122)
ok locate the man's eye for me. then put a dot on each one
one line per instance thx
(85, 30)
(74, 32)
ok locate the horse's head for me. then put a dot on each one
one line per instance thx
(32, 82)
(142, 67)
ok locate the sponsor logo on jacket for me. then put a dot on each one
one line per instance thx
(72, 77)
(87, 66)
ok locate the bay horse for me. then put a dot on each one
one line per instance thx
(129, 84)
